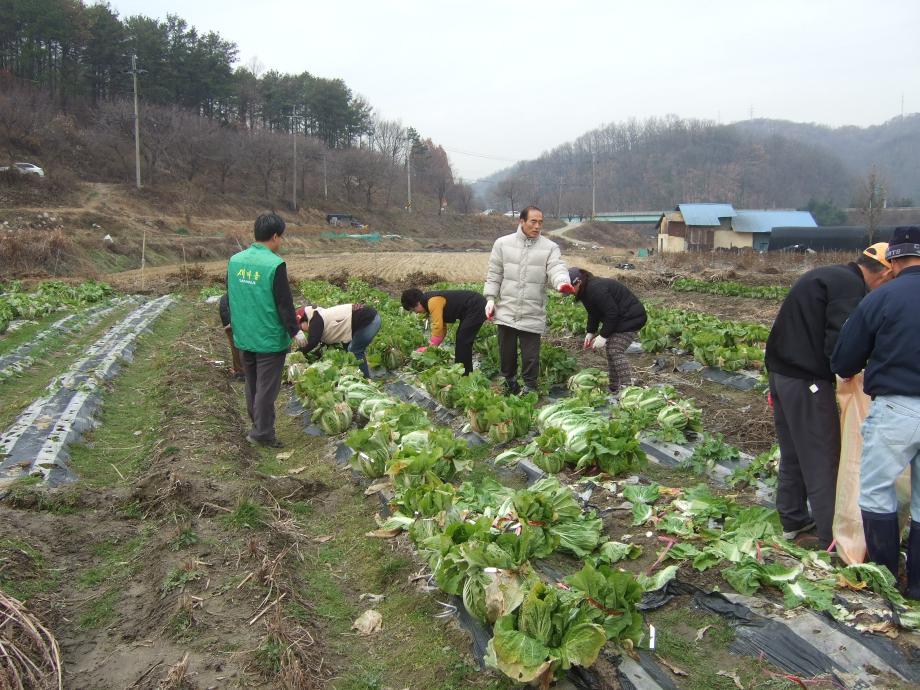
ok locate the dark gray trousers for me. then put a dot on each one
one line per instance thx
(508, 340)
(808, 431)
(263, 382)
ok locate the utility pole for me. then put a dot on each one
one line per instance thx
(409, 178)
(137, 124)
(593, 182)
(325, 185)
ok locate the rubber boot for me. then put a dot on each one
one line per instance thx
(913, 562)
(882, 539)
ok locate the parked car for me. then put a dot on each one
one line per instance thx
(355, 223)
(510, 214)
(25, 169)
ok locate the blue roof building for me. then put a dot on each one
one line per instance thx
(706, 227)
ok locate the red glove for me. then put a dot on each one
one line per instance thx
(436, 340)
(421, 349)
(770, 399)
(567, 289)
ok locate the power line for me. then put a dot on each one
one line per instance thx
(480, 155)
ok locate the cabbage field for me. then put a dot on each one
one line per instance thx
(421, 529)
(486, 541)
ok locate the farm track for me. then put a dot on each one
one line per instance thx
(36, 443)
(391, 267)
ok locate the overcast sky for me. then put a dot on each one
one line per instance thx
(509, 79)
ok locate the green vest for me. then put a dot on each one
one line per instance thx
(253, 313)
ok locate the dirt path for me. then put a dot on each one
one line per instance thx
(184, 558)
(388, 266)
(563, 233)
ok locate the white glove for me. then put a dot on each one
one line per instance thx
(301, 339)
(599, 342)
(490, 309)
(589, 338)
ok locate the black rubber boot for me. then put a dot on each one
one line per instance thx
(913, 562)
(882, 539)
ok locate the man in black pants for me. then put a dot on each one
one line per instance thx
(264, 324)
(448, 306)
(802, 387)
(521, 266)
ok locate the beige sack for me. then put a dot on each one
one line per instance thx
(848, 529)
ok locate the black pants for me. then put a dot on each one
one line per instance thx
(508, 339)
(808, 431)
(466, 335)
(263, 381)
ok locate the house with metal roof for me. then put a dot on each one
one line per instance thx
(706, 227)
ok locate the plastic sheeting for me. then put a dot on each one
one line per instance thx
(848, 529)
(36, 443)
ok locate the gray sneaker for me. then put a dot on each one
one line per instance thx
(792, 534)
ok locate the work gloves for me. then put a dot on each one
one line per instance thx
(567, 289)
(597, 342)
(436, 340)
(301, 339)
(490, 309)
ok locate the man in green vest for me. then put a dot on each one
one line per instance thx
(263, 323)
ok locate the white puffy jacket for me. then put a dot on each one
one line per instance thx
(519, 270)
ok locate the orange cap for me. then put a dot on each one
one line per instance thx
(877, 252)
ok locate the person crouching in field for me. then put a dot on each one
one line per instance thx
(352, 325)
(448, 306)
(224, 309)
(615, 316)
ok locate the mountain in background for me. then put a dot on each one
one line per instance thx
(659, 162)
(893, 147)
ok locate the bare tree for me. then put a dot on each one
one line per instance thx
(229, 148)
(24, 112)
(872, 201)
(461, 196)
(509, 189)
(265, 152)
(113, 130)
(391, 140)
(160, 127)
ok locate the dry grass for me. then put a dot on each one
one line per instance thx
(28, 252)
(29, 653)
(766, 264)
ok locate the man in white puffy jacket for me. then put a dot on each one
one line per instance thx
(520, 266)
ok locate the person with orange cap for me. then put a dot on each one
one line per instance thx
(802, 389)
(883, 335)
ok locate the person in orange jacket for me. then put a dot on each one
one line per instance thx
(448, 306)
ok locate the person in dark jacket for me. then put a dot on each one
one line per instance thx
(802, 388)
(223, 307)
(351, 325)
(885, 332)
(449, 306)
(615, 315)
